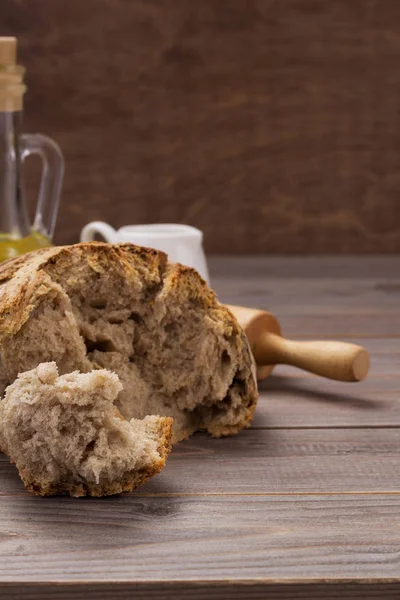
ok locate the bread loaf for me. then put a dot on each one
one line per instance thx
(66, 436)
(125, 308)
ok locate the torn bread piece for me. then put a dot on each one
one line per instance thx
(125, 308)
(66, 437)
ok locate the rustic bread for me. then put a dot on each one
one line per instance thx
(66, 437)
(125, 308)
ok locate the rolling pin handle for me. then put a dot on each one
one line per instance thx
(334, 360)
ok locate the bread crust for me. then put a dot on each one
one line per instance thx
(29, 280)
(130, 481)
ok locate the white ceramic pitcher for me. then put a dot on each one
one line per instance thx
(182, 243)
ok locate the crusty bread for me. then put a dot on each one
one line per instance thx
(66, 436)
(125, 308)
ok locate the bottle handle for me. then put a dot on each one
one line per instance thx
(50, 182)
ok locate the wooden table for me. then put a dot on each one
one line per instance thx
(305, 504)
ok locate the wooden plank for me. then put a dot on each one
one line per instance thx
(200, 539)
(285, 461)
(213, 590)
(306, 295)
(288, 398)
(341, 326)
(313, 291)
(313, 297)
(351, 267)
(279, 461)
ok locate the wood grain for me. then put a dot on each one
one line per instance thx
(345, 326)
(279, 461)
(290, 399)
(297, 296)
(217, 539)
(191, 590)
(351, 267)
(320, 298)
(283, 461)
(273, 126)
(320, 286)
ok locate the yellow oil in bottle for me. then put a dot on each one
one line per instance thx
(11, 247)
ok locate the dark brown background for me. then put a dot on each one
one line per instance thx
(274, 125)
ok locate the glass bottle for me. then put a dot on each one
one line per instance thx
(17, 235)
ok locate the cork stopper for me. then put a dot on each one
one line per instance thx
(8, 51)
(12, 88)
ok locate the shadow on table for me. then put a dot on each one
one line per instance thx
(309, 391)
(97, 524)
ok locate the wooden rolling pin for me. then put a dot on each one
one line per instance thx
(335, 360)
